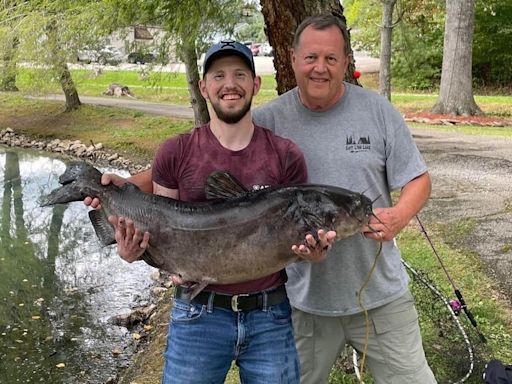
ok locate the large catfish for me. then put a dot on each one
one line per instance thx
(236, 236)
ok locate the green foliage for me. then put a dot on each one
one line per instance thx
(251, 28)
(417, 57)
(492, 46)
(417, 46)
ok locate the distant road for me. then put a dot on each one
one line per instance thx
(124, 102)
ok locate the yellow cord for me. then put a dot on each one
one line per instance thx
(366, 319)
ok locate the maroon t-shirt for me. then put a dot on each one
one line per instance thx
(185, 161)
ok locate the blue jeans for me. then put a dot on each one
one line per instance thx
(203, 341)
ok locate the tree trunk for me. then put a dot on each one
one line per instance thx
(199, 106)
(60, 67)
(456, 90)
(69, 89)
(385, 48)
(8, 70)
(281, 20)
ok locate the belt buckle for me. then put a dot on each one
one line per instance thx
(234, 302)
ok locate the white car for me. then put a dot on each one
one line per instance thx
(266, 50)
(107, 55)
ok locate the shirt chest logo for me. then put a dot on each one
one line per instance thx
(355, 144)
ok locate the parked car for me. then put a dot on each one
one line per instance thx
(266, 49)
(106, 55)
(254, 47)
(141, 57)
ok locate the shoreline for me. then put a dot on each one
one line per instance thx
(95, 152)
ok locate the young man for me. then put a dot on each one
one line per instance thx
(355, 139)
(206, 334)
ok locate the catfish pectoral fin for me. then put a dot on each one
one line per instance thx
(146, 256)
(104, 230)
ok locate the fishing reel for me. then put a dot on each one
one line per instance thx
(456, 306)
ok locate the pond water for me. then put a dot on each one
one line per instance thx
(58, 285)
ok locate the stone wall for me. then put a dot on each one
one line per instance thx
(73, 149)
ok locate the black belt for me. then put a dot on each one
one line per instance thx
(240, 302)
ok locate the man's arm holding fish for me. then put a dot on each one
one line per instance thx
(388, 222)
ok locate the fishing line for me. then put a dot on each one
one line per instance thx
(460, 303)
(453, 314)
(365, 312)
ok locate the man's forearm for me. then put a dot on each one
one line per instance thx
(143, 180)
(413, 196)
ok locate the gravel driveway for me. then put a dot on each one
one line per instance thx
(472, 179)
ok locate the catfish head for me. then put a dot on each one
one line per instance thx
(333, 208)
(78, 181)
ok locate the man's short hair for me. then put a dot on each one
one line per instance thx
(321, 22)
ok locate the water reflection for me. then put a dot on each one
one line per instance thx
(58, 286)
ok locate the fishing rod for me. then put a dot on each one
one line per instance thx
(456, 304)
(454, 316)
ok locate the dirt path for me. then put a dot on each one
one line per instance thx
(472, 179)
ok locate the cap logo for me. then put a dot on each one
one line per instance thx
(227, 43)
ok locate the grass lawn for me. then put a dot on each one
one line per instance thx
(136, 135)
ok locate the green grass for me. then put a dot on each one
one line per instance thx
(129, 132)
(475, 130)
(467, 271)
(172, 88)
(157, 86)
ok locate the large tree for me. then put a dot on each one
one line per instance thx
(456, 91)
(281, 20)
(386, 29)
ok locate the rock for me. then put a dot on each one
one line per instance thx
(74, 148)
(136, 316)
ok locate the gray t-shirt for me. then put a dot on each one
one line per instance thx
(362, 144)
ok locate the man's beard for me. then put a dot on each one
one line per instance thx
(232, 117)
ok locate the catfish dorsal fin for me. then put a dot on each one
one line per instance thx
(223, 185)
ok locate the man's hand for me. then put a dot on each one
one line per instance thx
(313, 250)
(384, 224)
(131, 242)
(388, 222)
(106, 179)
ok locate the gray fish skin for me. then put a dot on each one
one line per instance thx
(219, 241)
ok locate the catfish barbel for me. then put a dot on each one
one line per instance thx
(236, 236)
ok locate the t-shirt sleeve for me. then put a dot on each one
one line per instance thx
(404, 160)
(295, 166)
(166, 162)
(264, 117)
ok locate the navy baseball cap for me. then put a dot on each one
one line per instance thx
(227, 48)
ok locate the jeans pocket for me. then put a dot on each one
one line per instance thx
(186, 312)
(281, 313)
